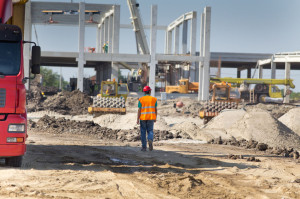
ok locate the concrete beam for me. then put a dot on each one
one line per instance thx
(273, 70)
(163, 57)
(287, 76)
(169, 42)
(115, 40)
(180, 20)
(184, 37)
(200, 77)
(206, 53)
(193, 33)
(260, 71)
(176, 40)
(153, 49)
(80, 59)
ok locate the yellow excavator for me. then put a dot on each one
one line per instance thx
(111, 99)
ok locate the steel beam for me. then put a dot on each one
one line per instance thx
(27, 37)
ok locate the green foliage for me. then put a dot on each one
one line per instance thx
(295, 96)
(121, 78)
(51, 79)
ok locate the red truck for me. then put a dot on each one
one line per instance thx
(13, 117)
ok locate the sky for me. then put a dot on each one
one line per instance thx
(256, 26)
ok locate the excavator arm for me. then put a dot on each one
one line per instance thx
(255, 81)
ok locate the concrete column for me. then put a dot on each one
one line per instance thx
(193, 33)
(169, 42)
(110, 33)
(176, 40)
(98, 46)
(27, 37)
(287, 76)
(102, 35)
(248, 72)
(200, 76)
(115, 40)
(153, 49)
(260, 71)
(184, 37)
(106, 30)
(206, 44)
(80, 59)
(273, 70)
(238, 73)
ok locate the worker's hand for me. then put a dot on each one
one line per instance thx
(138, 121)
(154, 121)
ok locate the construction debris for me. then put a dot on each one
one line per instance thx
(65, 102)
(61, 125)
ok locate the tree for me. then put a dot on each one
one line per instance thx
(51, 79)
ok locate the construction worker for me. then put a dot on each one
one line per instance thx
(146, 117)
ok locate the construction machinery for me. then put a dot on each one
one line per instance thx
(264, 91)
(13, 115)
(184, 87)
(222, 97)
(111, 99)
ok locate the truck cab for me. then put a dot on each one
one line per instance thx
(13, 118)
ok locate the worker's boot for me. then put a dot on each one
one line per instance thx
(150, 142)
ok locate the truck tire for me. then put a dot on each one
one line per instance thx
(15, 161)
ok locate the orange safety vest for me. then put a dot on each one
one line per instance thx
(148, 108)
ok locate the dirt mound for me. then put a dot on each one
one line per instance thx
(254, 124)
(276, 110)
(261, 126)
(291, 120)
(61, 125)
(66, 103)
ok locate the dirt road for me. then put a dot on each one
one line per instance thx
(70, 166)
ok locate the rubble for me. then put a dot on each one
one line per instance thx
(61, 125)
(65, 102)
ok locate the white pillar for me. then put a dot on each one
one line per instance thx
(260, 71)
(106, 30)
(193, 34)
(206, 53)
(169, 42)
(287, 76)
(273, 70)
(102, 39)
(200, 77)
(184, 37)
(98, 40)
(27, 37)
(110, 33)
(153, 48)
(80, 59)
(176, 40)
(114, 45)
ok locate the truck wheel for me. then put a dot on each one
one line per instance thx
(14, 161)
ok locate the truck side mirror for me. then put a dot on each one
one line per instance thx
(35, 59)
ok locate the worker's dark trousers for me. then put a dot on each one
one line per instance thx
(146, 126)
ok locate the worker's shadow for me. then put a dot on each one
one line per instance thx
(120, 159)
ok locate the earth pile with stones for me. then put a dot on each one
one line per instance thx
(61, 125)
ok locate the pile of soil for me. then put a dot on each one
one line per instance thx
(254, 124)
(291, 120)
(65, 103)
(61, 125)
(276, 110)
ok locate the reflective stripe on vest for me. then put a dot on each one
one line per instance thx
(148, 108)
